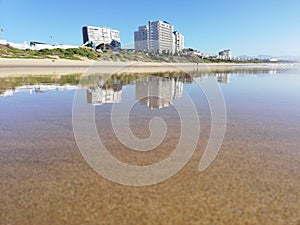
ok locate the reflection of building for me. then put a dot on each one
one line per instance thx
(101, 35)
(100, 95)
(158, 92)
(38, 88)
(223, 77)
(7, 93)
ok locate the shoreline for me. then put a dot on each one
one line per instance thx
(20, 67)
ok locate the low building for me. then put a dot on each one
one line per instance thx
(39, 46)
(3, 42)
(22, 46)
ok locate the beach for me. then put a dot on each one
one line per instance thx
(15, 67)
(45, 179)
(254, 179)
(149, 112)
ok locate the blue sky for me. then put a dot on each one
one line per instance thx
(249, 27)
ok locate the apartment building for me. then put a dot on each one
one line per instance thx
(141, 39)
(178, 42)
(101, 35)
(158, 37)
(226, 54)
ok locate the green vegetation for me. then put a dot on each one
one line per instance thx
(71, 54)
(122, 56)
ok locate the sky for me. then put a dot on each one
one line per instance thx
(247, 27)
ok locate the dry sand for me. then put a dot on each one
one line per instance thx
(14, 67)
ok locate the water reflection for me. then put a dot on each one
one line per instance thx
(158, 92)
(152, 90)
(99, 94)
(39, 88)
(37, 84)
(223, 78)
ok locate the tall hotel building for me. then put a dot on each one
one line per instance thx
(101, 35)
(157, 37)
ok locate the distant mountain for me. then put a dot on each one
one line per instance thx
(246, 57)
(256, 57)
(289, 58)
(285, 58)
(265, 57)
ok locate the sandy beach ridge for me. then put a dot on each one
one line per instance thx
(15, 67)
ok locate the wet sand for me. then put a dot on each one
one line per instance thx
(15, 67)
(44, 179)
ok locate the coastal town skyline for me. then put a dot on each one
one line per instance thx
(34, 21)
(149, 112)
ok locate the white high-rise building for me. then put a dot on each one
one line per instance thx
(226, 54)
(178, 42)
(158, 37)
(101, 35)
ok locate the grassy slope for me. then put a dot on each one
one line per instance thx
(80, 53)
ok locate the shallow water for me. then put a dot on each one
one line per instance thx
(253, 180)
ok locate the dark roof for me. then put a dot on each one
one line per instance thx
(35, 42)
